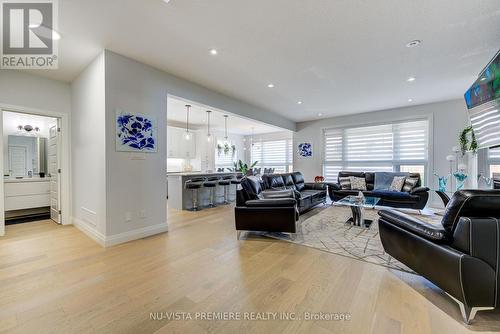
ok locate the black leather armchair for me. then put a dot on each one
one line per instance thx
(461, 255)
(264, 210)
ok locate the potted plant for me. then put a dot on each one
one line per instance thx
(242, 167)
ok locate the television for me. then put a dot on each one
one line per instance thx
(483, 103)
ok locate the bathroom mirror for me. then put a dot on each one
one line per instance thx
(26, 156)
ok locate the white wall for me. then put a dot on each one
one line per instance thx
(448, 119)
(89, 149)
(25, 90)
(136, 185)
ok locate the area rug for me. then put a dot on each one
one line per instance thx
(327, 230)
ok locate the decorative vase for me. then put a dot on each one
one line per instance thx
(442, 181)
(460, 177)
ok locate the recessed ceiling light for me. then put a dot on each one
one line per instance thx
(213, 52)
(411, 79)
(270, 85)
(166, 1)
(483, 78)
(410, 100)
(320, 114)
(413, 43)
(299, 102)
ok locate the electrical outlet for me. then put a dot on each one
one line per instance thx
(128, 216)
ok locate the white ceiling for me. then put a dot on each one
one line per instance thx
(176, 115)
(339, 57)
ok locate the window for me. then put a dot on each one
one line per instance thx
(494, 161)
(275, 154)
(225, 160)
(381, 148)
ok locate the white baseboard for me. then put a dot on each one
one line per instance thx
(90, 231)
(107, 241)
(135, 234)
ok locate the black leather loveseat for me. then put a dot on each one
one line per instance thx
(461, 255)
(414, 199)
(274, 202)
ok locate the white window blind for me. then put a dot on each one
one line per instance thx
(387, 147)
(277, 154)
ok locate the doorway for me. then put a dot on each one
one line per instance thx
(32, 159)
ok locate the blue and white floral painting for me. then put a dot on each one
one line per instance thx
(305, 150)
(135, 132)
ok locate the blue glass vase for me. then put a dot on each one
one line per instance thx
(461, 177)
(443, 182)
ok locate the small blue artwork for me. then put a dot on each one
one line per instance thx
(305, 150)
(135, 132)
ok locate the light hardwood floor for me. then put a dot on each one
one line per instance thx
(54, 279)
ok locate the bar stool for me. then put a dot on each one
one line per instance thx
(211, 183)
(226, 182)
(194, 185)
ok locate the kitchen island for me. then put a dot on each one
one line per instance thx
(181, 198)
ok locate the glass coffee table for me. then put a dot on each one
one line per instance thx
(357, 208)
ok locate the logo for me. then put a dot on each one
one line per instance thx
(29, 35)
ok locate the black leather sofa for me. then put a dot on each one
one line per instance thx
(308, 195)
(415, 199)
(461, 255)
(273, 203)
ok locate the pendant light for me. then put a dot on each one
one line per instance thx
(209, 135)
(187, 135)
(225, 128)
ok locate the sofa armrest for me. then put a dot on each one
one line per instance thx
(334, 186)
(315, 186)
(272, 203)
(434, 233)
(275, 194)
(417, 190)
(479, 238)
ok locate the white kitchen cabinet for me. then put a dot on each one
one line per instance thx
(178, 146)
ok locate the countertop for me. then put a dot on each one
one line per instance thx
(26, 179)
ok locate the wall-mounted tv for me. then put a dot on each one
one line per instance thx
(483, 102)
(487, 87)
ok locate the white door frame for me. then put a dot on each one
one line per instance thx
(65, 160)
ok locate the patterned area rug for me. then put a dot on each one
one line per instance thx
(328, 231)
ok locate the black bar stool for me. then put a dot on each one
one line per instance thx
(194, 185)
(226, 182)
(211, 183)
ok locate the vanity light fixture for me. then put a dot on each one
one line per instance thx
(187, 135)
(209, 135)
(28, 128)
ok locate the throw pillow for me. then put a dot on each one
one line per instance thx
(345, 182)
(358, 183)
(397, 183)
(410, 183)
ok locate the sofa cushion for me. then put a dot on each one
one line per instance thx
(370, 180)
(410, 183)
(397, 183)
(252, 186)
(268, 194)
(288, 181)
(345, 182)
(383, 180)
(274, 181)
(358, 183)
(298, 180)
